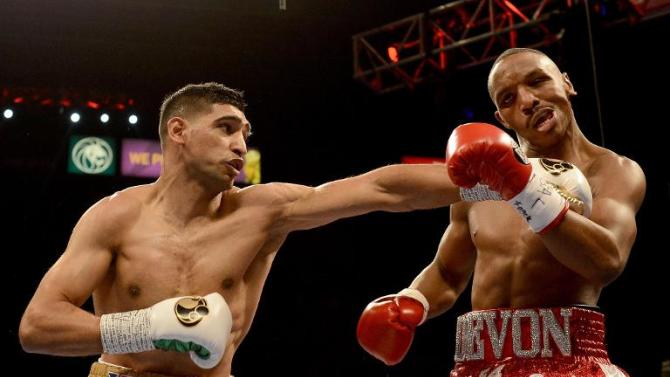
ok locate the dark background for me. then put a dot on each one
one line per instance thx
(313, 123)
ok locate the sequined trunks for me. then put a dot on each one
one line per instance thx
(543, 342)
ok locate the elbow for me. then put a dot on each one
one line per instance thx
(610, 270)
(29, 333)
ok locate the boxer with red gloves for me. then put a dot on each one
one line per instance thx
(543, 227)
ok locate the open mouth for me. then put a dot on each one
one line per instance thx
(543, 119)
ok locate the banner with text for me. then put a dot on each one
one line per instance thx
(141, 158)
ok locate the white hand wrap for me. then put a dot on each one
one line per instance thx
(126, 332)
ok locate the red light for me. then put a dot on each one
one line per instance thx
(515, 10)
(120, 106)
(19, 100)
(65, 102)
(393, 54)
(93, 105)
(46, 102)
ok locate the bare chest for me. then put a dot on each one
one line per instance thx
(514, 267)
(156, 259)
(497, 227)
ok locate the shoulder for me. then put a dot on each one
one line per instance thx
(271, 194)
(618, 176)
(115, 212)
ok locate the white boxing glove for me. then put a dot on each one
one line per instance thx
(568, 181)
(565, 183)
(194, 324)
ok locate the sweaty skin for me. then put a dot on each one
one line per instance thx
(511, 266)
(192, 233)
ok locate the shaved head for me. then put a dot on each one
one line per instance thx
(514, 51)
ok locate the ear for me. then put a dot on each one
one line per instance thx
(500, 119)
(176, 129)
(568, 85)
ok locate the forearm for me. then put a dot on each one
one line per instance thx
(393, 188)
(61, 329)
(586, 248)
(419, 186)
(441, 294)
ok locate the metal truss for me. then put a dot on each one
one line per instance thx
(451, 37)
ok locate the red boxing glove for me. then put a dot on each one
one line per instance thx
(386, 327)
(480, 153)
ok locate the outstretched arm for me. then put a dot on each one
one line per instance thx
(393, 188)
(53, 322)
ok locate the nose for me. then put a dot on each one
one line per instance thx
(528, 101)
(239, 145)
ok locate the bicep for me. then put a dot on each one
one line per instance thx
(81, 267)
(619, 220)
(454, 262)
(615, 208)
(456, 253)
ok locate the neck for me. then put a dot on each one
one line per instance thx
(572, 146)
(184, 198)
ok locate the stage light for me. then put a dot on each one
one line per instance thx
(104, 117)
(133, 119)
(8, 113)
(75, 117)
(392, 52)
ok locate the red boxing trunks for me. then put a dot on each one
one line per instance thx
(553, 342)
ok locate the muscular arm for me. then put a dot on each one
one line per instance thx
(598, 248)
(394, 188)
(53, 322)
(445, 278)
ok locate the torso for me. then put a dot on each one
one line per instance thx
(230, 254)
(513, 267)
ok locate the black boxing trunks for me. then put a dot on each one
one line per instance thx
(552, 342)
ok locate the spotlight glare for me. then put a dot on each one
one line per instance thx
(104, 117)
(75, 117)
(8, 113)
(392, 52)
(132, 119)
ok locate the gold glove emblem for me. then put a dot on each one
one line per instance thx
(191, 310)
(555, 167)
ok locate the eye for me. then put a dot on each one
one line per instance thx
(538, 80)
(225, 127)
(506, 100)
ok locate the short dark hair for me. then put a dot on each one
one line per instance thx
(506, 53)
(196, 98)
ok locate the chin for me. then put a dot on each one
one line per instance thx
(226, 185)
